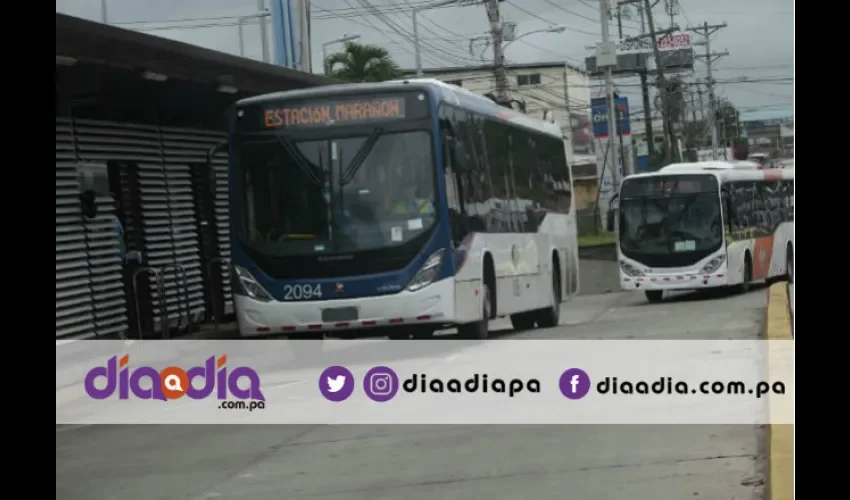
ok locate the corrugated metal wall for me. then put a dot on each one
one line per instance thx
(174, 212)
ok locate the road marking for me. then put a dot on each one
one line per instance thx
(72, 428)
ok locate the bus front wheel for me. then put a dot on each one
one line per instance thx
(747, 277)
(654, 296)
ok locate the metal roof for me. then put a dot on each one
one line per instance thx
(88, 41)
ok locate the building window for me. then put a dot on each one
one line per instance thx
(533, 79)
(459, 83)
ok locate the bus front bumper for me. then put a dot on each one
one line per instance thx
(432, 305)
(672, 281)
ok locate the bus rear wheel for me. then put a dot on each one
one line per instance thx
(522, 321)
(551, 316)
(480, 329)
(654, 296)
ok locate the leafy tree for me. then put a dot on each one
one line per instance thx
(362, 63)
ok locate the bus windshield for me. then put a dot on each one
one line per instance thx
(672, 222)
(333, 194)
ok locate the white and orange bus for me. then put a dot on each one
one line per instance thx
(705, 225)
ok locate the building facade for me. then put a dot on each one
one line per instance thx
(552, 91)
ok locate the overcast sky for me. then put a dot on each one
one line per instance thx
(759, 36)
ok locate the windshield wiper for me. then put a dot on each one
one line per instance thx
(306, 167)
(360, 157)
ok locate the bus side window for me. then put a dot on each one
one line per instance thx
(727, 210)
(454, 196)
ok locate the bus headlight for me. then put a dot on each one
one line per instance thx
(428, 273)
(713, 265)
(250, 285)
(629, 269)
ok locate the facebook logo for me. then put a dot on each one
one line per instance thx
(574, 383)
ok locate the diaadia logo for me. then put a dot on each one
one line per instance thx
(173, 382)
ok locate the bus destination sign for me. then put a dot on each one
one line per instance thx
(669, 185)
(334, 113)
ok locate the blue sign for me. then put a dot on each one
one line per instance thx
(599, 116)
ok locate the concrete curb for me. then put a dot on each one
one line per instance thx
(780, 438)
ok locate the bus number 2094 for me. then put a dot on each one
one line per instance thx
(302, 292)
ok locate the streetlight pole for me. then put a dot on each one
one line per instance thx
(241, 21)
(550, 29)
(103, 17)
(344, 38)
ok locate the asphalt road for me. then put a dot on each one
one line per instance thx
(445, 462)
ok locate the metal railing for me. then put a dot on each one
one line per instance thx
(183, 297)
(214, 298)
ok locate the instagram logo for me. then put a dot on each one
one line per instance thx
(380, 384)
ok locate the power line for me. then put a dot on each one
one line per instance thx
(548, 21)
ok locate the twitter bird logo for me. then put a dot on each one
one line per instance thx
(336, 384)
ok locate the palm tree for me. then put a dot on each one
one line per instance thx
(362, 63)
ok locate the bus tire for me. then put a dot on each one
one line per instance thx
(551, 316)
(654, 296)
(789, 264)
(522, 321)
(479, 330)
(747, 277)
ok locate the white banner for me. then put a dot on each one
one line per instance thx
(425, 382)
(670, 41)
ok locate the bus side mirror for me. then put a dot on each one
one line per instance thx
(94, 181)
(613, 209)
(609, 223)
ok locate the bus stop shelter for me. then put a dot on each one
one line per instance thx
(148, 108)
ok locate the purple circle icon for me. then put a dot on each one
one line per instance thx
(380, 384)
(336, 383)
(574, 383)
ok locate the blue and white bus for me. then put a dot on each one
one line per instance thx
(396, 209)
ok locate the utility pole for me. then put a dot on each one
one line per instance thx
(708, 58)
(264, 30)
(103, 17)
(701, 105)
(498, 55)
(619, 22)
(644, 89)
(692, 98)
(613, 125)
(669, 142)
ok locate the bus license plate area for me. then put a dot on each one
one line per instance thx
(338, 314)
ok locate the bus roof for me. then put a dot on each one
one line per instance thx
(724, 175)
(711, 165)
(444, 92)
